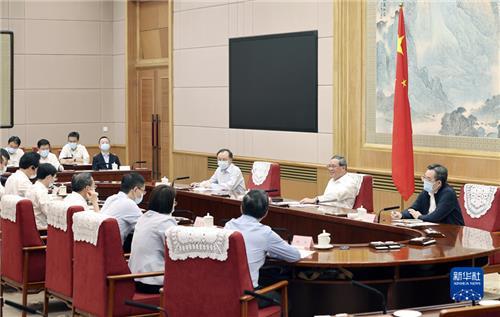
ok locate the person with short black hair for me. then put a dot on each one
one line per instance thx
(19, 182)
(227, 176)
(74, 152)
(38, 193)
(123, 206)
(260, 240)
(4, 160)
(14, 151)
(46, 156)
(105, 159)
(342, 188)
(148, 243)
(437, 202)
(83, 189)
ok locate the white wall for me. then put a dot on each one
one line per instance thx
(200, 63)
(69, 69)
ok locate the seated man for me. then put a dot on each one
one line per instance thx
(123, 206)
(19, 182)
(82, 190)
(4, 160)
(39, 193)
(46, 156)
(14, 151)
(437, 203)
(73, 152)
(260, 240)
(341, 188)
(227, 176)
(105, 159)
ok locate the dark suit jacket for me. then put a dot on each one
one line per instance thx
(447, 207)
(98, 162)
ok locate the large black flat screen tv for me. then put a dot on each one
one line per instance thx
(273, 82)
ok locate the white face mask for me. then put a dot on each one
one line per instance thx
(138, 200)
(44, 153)
(73, 145)
(33, 176)
(105, 147)
(11, 150)
(223, 164)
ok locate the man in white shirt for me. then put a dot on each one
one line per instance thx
(39, 193)
(46, 156)
(123, 206)
(4, 160)
(227, 176)
(341, 189)
(82, 190)
(73, 152)
(19, 182)
(14, 151)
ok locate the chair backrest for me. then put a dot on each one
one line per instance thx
(490, 221)
(272, 181)
(16, 236)
(92, 264)
(59, 256)
(365, 195)
(193, 287)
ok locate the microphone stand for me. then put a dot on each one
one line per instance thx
(178, 179)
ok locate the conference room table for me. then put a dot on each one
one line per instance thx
(409, 277)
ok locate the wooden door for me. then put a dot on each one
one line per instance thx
(146, 83)
(162, 110)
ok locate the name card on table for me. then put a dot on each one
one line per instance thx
(303, 242)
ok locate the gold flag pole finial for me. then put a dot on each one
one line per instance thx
(401, 4)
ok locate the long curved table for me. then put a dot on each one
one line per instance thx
(410, 277)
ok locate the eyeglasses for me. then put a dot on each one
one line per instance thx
(331, 166)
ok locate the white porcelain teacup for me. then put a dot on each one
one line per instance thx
(208, 220)
(324, 238)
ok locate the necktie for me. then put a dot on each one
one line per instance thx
(432, 206)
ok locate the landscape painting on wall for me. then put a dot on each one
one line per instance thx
(453, 69)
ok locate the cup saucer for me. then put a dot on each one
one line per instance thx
(323, 247)
(407, 313)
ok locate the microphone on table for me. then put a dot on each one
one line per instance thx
(262, 297)
(271, 190)
(179, 179)
(377, 219)
(374, 291)
(324, 202)
(23, 308)
(145, 306)
(274, 199)
(138, 162)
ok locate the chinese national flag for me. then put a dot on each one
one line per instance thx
(402, 145)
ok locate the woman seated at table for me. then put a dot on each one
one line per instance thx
(148, 243)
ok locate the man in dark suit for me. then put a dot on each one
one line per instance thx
(105, 159)
(438, 202)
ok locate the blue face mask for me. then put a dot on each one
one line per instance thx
(11, 150)
(44, 153)
(105, 147)
(428, 186)
(73, 145)
(223, 164)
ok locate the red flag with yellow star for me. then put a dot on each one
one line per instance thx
(402, 145)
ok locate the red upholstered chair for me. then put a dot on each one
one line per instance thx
(59, 257)
(272, 181)
(102, 281)
(489, 222)
(24, 267)
(213, 288)
(365, 196)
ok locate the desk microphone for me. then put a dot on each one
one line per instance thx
(372, 290)
(23, 308)
(262, 297)
(138, 162)
(179, 178)
(327, 201)
(273, 190)
(384, 209)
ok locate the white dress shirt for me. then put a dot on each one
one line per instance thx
(124, 210)
(14, 158)
(342, 190)
(75, 199)
(52, 159)
(229, 179)
(39, 196)
(17, 184)
(259, 241)
(79, 152)
(2, 190)
(148, 245)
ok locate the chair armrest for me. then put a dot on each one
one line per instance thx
(44, 238)
(275, 286)
(134, 276)
(36, 248)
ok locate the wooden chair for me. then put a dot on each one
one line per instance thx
(365, 195)
(24, 267)
(271, 182)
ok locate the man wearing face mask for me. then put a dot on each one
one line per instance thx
(46, 156)
(437, 203)
(105, 159)
(73, 152)
(38, 193)
(14, 151)
(4, 160)
(123, 206)
(83, 189)
(227, 176)
(19, 182)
